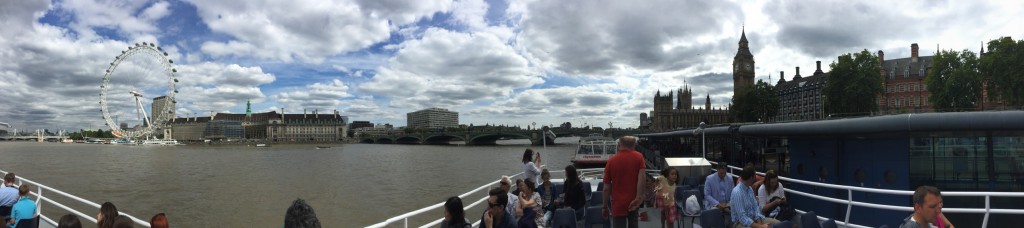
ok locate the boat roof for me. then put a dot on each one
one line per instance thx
(888, 124)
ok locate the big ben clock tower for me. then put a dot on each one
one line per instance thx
(742, 67)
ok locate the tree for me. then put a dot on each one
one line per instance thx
(755, 104)
(954, 81)
(853, 85)
(1003, 67)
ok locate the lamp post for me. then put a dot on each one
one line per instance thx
(703, 139)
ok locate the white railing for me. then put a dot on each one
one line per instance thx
(405, 217)
(988, 210)
(40, 199)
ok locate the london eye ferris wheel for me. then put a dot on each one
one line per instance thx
(135, 77)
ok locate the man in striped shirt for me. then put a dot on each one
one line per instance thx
(745, 212)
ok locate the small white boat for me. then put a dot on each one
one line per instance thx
(594, 151)
(262, 145)
(165, 142)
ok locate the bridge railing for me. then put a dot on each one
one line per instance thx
(40, 198)
(849, 202)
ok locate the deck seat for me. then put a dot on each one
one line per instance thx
(28, 223)
(831, 223)
(809, 220)
(587, 190)
(681, 204)
(564, 218)
(595, 199)
(783, 224)
(712, 219)
(594, 217)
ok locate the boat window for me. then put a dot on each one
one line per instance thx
(585, 149)
(610, 149)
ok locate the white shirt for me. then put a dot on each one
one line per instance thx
(531, 172)
(763, 196)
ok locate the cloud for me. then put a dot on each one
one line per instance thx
(306, 30)
(609, 37)
(451, 68)
(323, 96)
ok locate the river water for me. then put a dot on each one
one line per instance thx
(352, 185)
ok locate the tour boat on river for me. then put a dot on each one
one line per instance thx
(594, 151)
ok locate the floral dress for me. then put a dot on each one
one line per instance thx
(666, 199)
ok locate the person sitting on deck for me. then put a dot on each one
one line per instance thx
(123, 221)
(495, 216)
(548, 195)
(8, 195)
(69, 221)
(159, 221)
(25, 208)
(772, 198)
(927, 209)
(745, 212)
(528, 209)
(506, 186)
(718, 189)
(300, 215)
(454, 214)
(105, 218)
(575, 197)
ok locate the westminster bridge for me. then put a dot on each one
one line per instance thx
(488, 137)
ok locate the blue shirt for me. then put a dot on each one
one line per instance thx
(744, 206)
(717, 190)
(23, 209)
(8, 196)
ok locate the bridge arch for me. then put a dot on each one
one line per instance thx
(491, 139)
(408, 140)
(367, 140)
(384, 141)
(442, 139)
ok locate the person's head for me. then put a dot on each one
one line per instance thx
(771, 180)
(301, 215)
(453, 211)
(927, 203)
(528, 187)
(504, 183)
(570, 175)
(671, 174)
(747, 176)
(123, 221)
(545, 175)
(69, 221)
(9, 179)
(23, 190)
(496, 201)
(722, 168)
(527, 156)
(159, 221)
(627, 143)
(107, 214)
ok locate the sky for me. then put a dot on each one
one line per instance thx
(510, 62)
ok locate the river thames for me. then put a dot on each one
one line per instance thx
(352, 185)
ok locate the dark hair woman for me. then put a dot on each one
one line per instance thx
(574, 195)
(69, 221)
(454, 216)
(105, 219)
(531, 167)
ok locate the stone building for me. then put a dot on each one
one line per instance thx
(683, 115)
(267, 126)
(432, 118)
(801, 98)
(905, 90)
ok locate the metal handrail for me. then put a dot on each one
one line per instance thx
(40, 199)
(405, 217)
(988, 210)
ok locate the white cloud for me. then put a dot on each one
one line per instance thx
(448, 68)
(323, 96)
(306, 30)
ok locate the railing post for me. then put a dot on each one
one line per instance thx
(984, 222)
(39, 200)
(406, 222)
(849, 205)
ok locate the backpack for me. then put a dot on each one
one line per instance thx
(692, 206)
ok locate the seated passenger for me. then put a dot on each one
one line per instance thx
(300, 215)
(772, 198)
(158, 221)
(528, 209)
(105, 218)
(718, 189)
(8, 195)
(454, 214)
(495, 216)
(506, 186)
(123, 221)
(575, 197)
(25, 208)
(69, 221)
(745, 212)
(548, 196)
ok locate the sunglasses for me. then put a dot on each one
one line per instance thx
(489, 204)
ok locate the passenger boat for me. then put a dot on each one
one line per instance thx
(262, 145)
(323, 147)
(164, 142)
(594, 151)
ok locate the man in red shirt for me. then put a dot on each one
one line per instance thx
(624, 176)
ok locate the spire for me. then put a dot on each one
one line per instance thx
(248, 108)
(982, 48)
(707, 103)
(744, 49)
(743, 35)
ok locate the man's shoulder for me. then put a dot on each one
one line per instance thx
(909, 222)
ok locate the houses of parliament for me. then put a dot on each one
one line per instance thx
(683, 115)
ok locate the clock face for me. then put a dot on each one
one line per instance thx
(747, 66)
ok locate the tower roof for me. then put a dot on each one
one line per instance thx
(744, 49)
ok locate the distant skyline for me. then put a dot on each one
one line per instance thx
(493, 61)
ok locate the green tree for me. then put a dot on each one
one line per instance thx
(954, 81)
(756, 104)
(853, 85)
(1003, 67)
